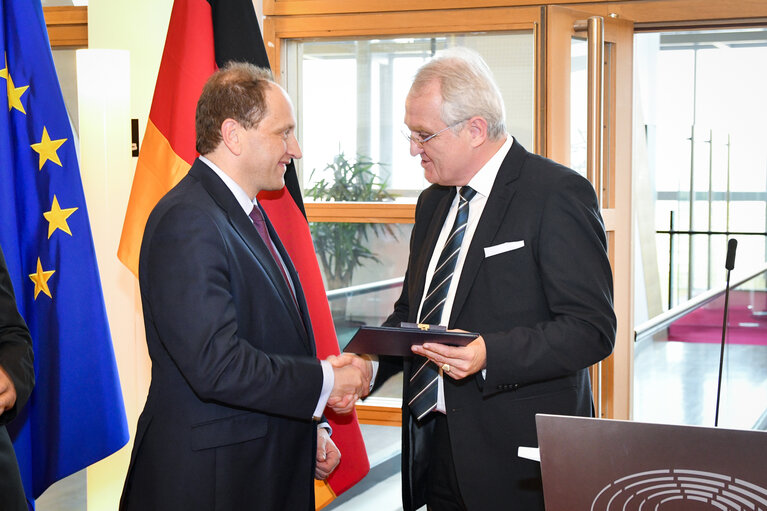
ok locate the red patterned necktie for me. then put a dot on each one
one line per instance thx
(257, 216)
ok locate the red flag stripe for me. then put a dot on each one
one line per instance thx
(295, 235)
(187, 61)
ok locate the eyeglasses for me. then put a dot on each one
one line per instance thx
(417, 140)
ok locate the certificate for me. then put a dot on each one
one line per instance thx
(386, 340)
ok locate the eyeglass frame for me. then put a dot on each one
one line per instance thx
(420, 143)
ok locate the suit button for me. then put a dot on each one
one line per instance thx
(515, 386)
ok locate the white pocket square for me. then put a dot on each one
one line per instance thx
(503, 247)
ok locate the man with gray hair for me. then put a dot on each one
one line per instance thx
(509, 245)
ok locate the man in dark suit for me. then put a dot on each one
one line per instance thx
(17, 378)
(509, 245)
(231, 419)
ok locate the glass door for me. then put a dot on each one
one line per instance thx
(588, 102)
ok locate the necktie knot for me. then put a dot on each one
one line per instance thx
(256, 216)
(467, 193)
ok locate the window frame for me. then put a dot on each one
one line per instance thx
(279, 29)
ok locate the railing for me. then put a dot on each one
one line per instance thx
(661, 321)
(672, 236)
(372, 287)
(675, 358)
(384, 409)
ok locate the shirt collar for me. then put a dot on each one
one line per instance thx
(482, 182)
(245, 202)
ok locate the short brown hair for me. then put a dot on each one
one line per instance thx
(236, 91)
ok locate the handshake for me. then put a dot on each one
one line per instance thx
(352, 381)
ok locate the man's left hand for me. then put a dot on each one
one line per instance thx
(328, 455)
(458, 362)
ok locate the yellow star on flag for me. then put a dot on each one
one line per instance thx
(57, 218)
(47, 149)
(40, 278)
(14, 93)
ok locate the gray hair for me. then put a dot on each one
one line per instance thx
(467, 87)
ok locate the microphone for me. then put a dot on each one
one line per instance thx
(732, 246)
(729, 264)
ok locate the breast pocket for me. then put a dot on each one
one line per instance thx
(502, 248)
(506, 284)
(504, 260)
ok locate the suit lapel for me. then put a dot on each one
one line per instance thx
(243, 226)
(493, 216)
(294, 277)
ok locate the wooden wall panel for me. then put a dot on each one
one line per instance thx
(67, 26)
(293, 7)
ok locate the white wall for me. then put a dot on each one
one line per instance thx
(138, 26)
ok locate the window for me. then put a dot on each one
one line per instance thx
(702, 109)
(350, 96)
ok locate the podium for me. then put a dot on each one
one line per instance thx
(612, 465)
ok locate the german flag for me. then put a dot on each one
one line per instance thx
(202, 36)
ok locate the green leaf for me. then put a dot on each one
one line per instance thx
(339, 246)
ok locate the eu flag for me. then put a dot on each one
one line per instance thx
(75, 415)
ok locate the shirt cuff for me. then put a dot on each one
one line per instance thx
(326, 425)
(374, 362)
(328, 379)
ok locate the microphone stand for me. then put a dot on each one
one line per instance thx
(729, 265)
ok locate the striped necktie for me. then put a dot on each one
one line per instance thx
(423, 383)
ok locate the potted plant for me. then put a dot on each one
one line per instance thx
(342, 247)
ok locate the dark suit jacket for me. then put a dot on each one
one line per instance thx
(228, 419)
(544, 311)
(16, 359)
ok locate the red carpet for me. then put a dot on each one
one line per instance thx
(747, 321)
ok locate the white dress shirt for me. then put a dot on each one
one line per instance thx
(482, 183)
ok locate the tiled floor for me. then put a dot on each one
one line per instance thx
(65, 495)
(380, 489)
(675, 382)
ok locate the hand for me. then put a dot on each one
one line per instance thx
(7, 392)
(363, 363)
(348, 386)
(463, 360)
(328, 455)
